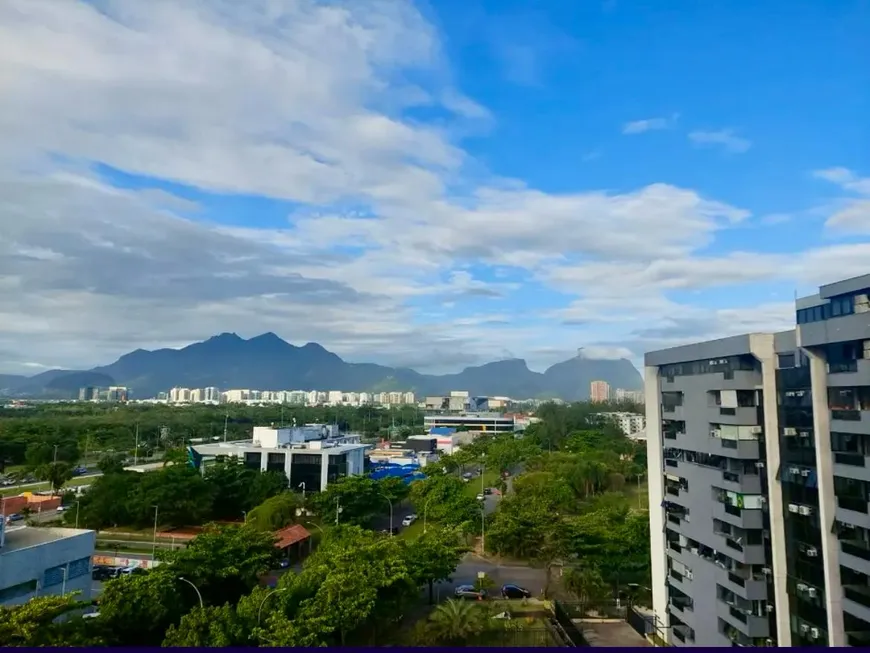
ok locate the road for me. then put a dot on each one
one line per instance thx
(75, 480)
(466, 573)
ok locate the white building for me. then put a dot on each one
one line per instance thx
(635, 396)
(308, 455)
(40, 561)
(334, 397)
(630, 424)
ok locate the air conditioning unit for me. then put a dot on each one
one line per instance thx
(767, 571)
(794, 470)
(793, 507)
(770, 607)
(804, 629)
(812, 592)
(804, 434)
(715, 433)
(760, 464)
(789, 431)
(812, 552)
(801, 587)
(814, 633)
(806, 511)
(756, 430)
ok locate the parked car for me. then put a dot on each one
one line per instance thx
(481, 497)
(409, 519)
(129, 571)
(469, 593)
(487, 491)
(468, 476)
(14, 517)
(515, 592)
(395, 530)
(78, 471)
(61, 508)
(102, 572)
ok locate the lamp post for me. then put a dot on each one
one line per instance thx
(195, 589)
(425, 510)
(337, 510)
(154, 544)
(391, 512)
(302, 485)
(322, 532)
(78, 505)
(263, 602)
(245, 516)
(65, 573)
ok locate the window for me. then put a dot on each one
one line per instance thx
(787, 360)
(17, 591)
(80, 567)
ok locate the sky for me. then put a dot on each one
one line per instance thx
(433, 184)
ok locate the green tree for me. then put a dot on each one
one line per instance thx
(275, 512)
(224, 562)
(238, 489)
(56, 474)
(181, 494)
(453, 623)
(442, 499)
(107, 501)
(434, 556)
(210, 627)
(358, 497)
(586, 584)
(111, 464)
(36, 624)
(137, 609)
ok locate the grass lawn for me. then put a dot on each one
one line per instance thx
(638, 498)
(413, 531)
(472, 488)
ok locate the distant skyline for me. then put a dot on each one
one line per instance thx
(433, 185)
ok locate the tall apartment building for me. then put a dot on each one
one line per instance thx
(599, 391)
(758, 447)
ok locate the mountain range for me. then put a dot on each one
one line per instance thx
(267, 362)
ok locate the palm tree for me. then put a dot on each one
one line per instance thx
(454, 622)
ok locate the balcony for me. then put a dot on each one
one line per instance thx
(738, 516)
(851, 465)
(850, 374)
(855, 554)
(856, 601)
(741, 449)
(850, 420)
(734, 380)
(751, 589)
(741, 416)
(741, 483)
(749, 624)
(843, 328)
(853, 510)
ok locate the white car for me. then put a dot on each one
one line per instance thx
(61, 508)
(481, 497)
(410, 519)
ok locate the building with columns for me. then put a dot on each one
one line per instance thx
(771, 433)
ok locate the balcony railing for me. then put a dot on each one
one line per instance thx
(733, 544)
(727, 411)
(731, 477)
(670, 435)
(857, 549)
(733, 510)
(673, 491)
(848, 415)
(854, 459)
(734, 612)
(670, 462)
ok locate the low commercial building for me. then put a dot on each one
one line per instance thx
(293, 451)
(487, 422)
(40, 561)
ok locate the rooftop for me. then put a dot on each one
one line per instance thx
(219, 448)
(24, 537)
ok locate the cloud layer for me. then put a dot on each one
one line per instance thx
(125, 126)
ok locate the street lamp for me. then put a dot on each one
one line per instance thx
(391, 512)
(263, 602)
(154, 544)
(322, 532)
(78, 505)
(425, 510)
(195, 589)
(302, 485)
(338, 510)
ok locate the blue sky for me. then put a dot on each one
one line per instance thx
(435, 184)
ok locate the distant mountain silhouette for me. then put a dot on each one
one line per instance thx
(267, 362)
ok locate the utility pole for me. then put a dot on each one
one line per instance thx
(55, 454)
(226, 424)
(337, 510)
(136, 449)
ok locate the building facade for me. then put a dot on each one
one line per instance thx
(771, 433)
(599, 391)
(489, 422)
(40, 561)
(306, 456)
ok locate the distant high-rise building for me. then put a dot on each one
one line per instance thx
(634, 396)
(599, 391)
(89, 393)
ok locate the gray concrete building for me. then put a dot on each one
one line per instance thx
(758, 448)
(41, 561)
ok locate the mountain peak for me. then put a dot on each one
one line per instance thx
(268, 337)
(225, 337)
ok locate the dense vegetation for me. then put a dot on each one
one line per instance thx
(352, 591)
(28, 436)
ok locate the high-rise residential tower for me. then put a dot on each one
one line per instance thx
(758, 447)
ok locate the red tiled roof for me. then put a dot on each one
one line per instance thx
(291, 535)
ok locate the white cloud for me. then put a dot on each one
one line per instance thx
(388, 215)
(649, 124)
(725, 138)
(853, 216)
